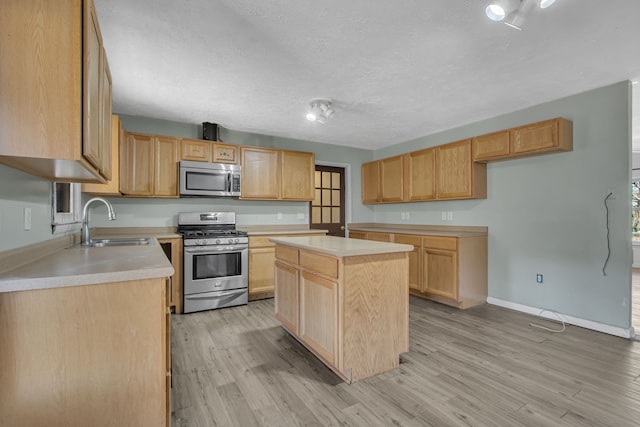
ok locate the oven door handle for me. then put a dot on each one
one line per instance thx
(213, 249)
(218, 294)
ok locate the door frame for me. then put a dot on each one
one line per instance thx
(347, 190)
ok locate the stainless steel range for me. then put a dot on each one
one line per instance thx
(215, 261)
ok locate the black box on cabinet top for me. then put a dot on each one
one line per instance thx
(210, 131)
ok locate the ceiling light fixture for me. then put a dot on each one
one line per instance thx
(513, 12)
(499, 9)
(320, 110)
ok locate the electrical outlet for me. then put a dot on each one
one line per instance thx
(539, 278)
(300, 215)
(279, 215)
(449, 216)
(27, 219)
(444, 216)
(407, 215)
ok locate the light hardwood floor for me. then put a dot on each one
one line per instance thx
(484, 366)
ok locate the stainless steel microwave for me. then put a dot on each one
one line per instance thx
(202, 179)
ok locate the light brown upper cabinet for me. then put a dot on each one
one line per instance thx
(165, 167)
(297, 180)
(53, 91)
(491, 147)
(371, 182)
(421, 177)
(149, 166)
(457, 176)
(549, 136)
(224, 153)
(458, 170)
(260, 177)
(106, 125)
(200, 150)
(392, 179)
(270, 174)
(195, 150)
(542, 137)
(112, 187)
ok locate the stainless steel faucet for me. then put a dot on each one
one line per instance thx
(85, 238)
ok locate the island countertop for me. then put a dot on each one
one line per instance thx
(79, 265)
(341, 247)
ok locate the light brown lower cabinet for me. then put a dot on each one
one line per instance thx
(173, 249)
(262, 255)
(355, 325)
(449, 270)
(94, 355)
(415, 259)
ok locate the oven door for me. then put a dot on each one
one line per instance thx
(215, 268)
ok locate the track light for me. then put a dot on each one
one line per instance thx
(513, 12)
(320, 111)
(499, 9)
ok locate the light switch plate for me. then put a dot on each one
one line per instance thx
(444, 216)
(449, 216)
(300, 215)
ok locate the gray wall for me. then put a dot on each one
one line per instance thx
(546, 214)
(18, 191)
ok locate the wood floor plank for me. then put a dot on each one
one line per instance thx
(482, 367)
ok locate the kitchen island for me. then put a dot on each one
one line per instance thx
(346, 300)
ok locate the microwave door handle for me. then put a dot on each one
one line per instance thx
(229, 182)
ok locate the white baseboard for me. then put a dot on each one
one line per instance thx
(551, 315)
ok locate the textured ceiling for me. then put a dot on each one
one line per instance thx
(395, 70)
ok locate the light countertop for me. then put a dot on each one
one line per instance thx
(157, 232)
(79, 265)
(422, 230)
(265, 230)
(341, 247)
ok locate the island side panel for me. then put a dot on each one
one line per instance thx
(376, 313)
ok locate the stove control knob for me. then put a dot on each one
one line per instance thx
(236, 241)
(230, 240)
(217, 241)
(202, 242)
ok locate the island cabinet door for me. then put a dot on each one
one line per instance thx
(319, 315)
(287, 296)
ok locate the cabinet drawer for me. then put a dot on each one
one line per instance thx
(380, 237)
(322, 264)
(406, 239)
(287, 253)
(448, 243)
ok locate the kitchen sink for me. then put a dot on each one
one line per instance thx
(120, 241)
